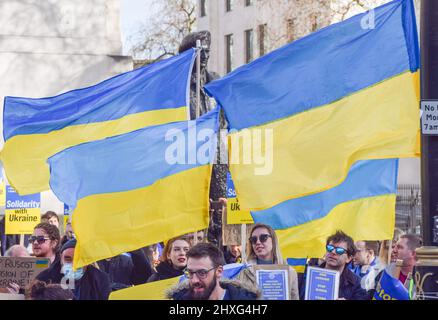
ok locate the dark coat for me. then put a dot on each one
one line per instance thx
(349, 286)
(165, 271)
(119, 269)
(53, 273)
(235, 291)
(142, 267)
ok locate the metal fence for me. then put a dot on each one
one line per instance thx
(408, 208)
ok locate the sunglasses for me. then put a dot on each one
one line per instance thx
(263, 238)
(202, 273)
(39, 239)
(338, 250)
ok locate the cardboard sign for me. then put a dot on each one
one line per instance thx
(22, 213)
(321, 284)
(21, 271)
(235, 215)
(273, 281)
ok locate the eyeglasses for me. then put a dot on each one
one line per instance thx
(39, 239)
(202, 274)
(339, 250)
(263, 238)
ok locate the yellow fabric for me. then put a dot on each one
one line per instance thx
(364, 219)
(314, 150)
(109, 224)
(149, 291)
(24, 156)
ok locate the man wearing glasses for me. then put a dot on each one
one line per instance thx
(204, 271)
(340, 251)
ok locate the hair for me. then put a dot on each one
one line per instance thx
(203, 250)
(12, 250)
(168, 247)
(373, 245)
(277, 258)
(413, 241)
(340, 236)
(39, 290)
(397, 234)
(52, 231)
(48, 215)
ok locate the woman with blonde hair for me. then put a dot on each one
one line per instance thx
(263, 249)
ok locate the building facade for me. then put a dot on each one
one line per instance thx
(48, 47)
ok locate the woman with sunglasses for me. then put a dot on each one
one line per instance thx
(173, 260)
(262, 249)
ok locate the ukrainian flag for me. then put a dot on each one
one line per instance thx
(346, 93)
(35, 129)
(363, 206)
(137, 189)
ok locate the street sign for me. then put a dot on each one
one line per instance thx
(429, 117)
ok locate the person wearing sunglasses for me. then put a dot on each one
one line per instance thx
(173, 261)
(204, 272)
(340, 251)
(45, 241)
(262, 249)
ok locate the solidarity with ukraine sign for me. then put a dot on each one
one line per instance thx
(22, 212)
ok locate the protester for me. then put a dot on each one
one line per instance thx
(68, 233)
(340, 251)
(263, 249)
(387, 246)
(173, 260)
(50, 217)
(119, 269)
(200, 237)
(233, 254)
(366, 264)
(39, 290)
(17, 251)
(45, 241)
(204, 271)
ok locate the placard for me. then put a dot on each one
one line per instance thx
(273, 281)
(322, 284)
(22, 213)
(22, 271)
(235, 215)
(67, 214)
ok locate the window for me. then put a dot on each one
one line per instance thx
(228, 5)
(229, 52)
(248, 3)
(203, 8)
(249, 46)
(290, 30)
(262, 39)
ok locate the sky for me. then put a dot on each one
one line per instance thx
(134, 14)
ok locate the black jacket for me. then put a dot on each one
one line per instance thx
(236, 290)
(53, 273)
(142, 268)
(165, 271)
(349, 286)
(119, 269)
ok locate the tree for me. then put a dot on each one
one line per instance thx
(162, 35)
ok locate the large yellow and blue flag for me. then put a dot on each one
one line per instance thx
(346, 93)
(35, 129)
(363, 206)
(138, 188)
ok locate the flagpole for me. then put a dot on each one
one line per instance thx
(426, 271)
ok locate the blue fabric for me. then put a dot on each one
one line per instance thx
(297, 262)
(321, 68)
(130, 161)
(365, 179)
(160, 85)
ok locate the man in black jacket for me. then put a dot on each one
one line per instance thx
(340, 251)
(204, 270)
(86, 283)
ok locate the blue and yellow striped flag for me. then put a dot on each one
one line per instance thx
(35, 129)
(363, 206)
(137, 189)
(346, 93)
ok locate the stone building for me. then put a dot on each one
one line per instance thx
(48, 47)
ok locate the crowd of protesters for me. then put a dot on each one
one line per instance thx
(201, 258)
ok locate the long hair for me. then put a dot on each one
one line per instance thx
(168, 247)
(277, 258)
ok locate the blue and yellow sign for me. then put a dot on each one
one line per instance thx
(234, 214)
(22, 213)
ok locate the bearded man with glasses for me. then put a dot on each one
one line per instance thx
(204, 271)
(340, 250)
